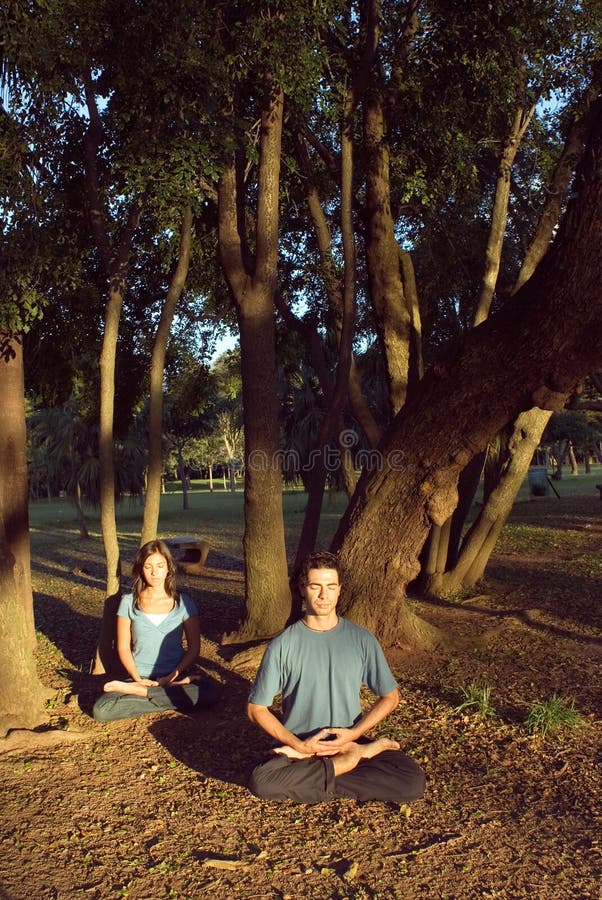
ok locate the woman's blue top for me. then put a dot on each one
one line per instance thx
(157, 649)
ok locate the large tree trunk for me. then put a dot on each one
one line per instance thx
(14, 486)
(152, 502)
(252, 282)
(21, 693)
(494, 377)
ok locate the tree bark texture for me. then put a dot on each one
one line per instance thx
(535, 350)
(14, 488)
(21, 693)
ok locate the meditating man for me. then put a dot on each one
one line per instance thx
(318, 665)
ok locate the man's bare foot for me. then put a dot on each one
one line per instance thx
(292, 754)
(126, 687)
(353, 753)
(368, 751)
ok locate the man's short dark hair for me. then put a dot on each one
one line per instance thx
(320, 559)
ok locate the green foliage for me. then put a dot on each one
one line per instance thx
(581, 428)
(553, 715)
(477, 700)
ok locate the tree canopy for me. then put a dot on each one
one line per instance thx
(373, 189)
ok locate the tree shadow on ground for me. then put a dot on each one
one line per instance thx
(74, 633)
(91, 576)
(522, 580)
(217, 742)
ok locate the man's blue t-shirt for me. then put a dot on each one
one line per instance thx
(157, 649)
(319, 674)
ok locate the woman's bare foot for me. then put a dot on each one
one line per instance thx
(187, 679)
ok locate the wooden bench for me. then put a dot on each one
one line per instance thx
(194, 556)
(599, 488)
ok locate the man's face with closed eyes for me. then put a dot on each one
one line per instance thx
(320, 592)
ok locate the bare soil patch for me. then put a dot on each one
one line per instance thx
(158, 807)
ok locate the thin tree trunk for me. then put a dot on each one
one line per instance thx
(311, 521)
(116, 264)
(334, 291)
(183, 479)
(499, 215)
(252, 282)
(150, 518)
(79, 509)
(482, 536)
(392, 316)
(559, 183)
(108, 520)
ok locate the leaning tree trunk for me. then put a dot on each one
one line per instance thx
(443, 541)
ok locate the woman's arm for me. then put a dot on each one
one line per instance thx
(124, 647)
(192, 630)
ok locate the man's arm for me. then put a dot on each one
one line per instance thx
(379, 710)
(265, 718)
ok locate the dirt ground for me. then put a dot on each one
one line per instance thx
(157, 808)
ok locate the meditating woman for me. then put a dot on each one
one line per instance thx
(151, 622)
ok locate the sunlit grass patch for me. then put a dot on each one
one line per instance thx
(477, 699)
(552, 716)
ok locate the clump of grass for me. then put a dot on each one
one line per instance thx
(477, 699)
(553, 715)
